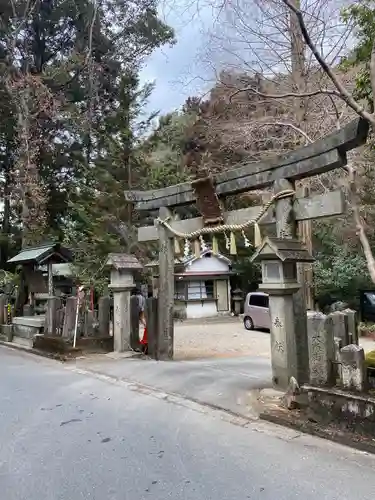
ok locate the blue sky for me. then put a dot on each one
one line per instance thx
(174, 69)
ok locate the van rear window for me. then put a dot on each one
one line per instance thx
(259, 300)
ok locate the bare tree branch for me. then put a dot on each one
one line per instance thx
(91, 29)
(372, 69)
(29, 7)
(283, 96)
(344, 93)
(290, 125)
(370, 260)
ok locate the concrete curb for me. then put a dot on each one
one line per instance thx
(51, 355)
(231, 416)
(149, 389)
(217, 320)
(313, 430)
(37, 352)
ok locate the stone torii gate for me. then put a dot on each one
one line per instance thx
(281, 173)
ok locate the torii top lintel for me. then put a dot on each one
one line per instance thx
(321, 156)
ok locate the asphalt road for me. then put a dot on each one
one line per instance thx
(221, 383)
(66, 435)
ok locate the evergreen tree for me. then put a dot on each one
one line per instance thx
(70, 96)
(362, 16)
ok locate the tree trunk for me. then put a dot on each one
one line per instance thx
(5, 229)
(299, 79)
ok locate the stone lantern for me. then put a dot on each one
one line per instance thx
(123, 268)
(237, 297)
(279, 259)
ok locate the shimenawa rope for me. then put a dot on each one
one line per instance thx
(227, 227)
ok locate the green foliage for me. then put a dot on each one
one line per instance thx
(362, 16)
(163, 150)
(366, 329)
(88, 58)
(340, 271)
(370, 356)
(8, 280)
(249, 274)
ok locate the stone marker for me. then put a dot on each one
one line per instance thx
(52, 316)
(340, 326)
(321, 348)
(121, 320)
(3, 303)
(353, 368)
(69, 318)
(60, 313)
(352, 325)
(337, 364)
(104, 310)
(7, 332)
(91, 324)
(290, 397)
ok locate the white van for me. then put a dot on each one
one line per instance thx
(256, 311)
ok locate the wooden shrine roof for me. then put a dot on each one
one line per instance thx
(42, 254)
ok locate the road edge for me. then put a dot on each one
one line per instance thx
(36, 352)
(176, 398)
(255, 423)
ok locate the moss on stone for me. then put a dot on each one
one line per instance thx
(370, 359)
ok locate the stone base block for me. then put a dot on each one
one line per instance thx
(28, 326)
(61, 345)
(346, 409)
(22, 341)
(6, 332)
(54, 344)
(95, 344)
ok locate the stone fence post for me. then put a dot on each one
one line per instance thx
(104, 310)
(352, 326)
(353, 368)
(345, 326)
(340, 327)
(53, 316)
(3, 302)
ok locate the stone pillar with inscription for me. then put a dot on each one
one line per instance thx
(321, 349)
(283, 349)
(122, 282)
(287, 228)
(279, 258)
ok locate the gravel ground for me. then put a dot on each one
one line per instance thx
(226, 339)
(219, 339)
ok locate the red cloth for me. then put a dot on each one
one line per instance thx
(144, 339)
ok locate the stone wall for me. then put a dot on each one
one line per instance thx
(339, 377)
(345, 409)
